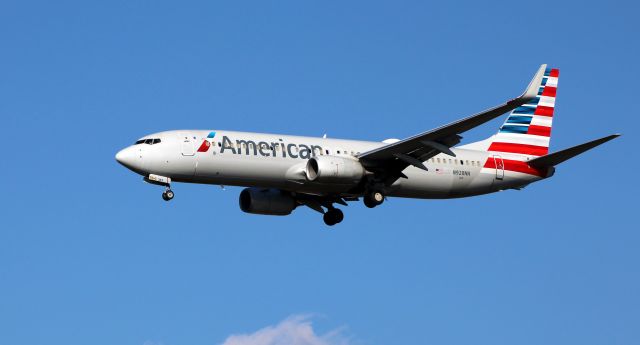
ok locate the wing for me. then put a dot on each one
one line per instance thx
(390, 160)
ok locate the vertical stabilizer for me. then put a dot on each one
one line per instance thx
(527, 130)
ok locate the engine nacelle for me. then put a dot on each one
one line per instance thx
(333, 169)
(266, 201)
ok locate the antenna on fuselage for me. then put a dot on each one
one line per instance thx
(324, 136)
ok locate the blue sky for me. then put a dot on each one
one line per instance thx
(89, 254)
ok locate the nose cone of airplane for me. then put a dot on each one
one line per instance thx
(130, 158)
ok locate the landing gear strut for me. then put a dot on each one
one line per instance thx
(333, 216)
(167, 194)
(373, 198)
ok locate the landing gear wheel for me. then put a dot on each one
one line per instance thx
(373, 199)
(369, 203)
(167, 195)
(339, 216)
(333, 216)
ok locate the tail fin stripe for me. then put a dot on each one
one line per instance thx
(524, 149)
(539, 130)
(547, 101)
(524, 120)
(524, 111)
(549, 91)
(544, 111)
(523, 139)
(513, 129)
(541, 121)
(533, 102)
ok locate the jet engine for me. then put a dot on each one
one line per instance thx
(266, 201)
(332, 169)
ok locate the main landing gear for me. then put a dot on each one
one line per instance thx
(167, 194)
(373, 198)
(333, 216)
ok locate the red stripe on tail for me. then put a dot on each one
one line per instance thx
(539, 130)
(544, 111)
(549, 91)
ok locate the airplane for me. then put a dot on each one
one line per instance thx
(283, 172)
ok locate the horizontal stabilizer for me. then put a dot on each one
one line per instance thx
(556, 158)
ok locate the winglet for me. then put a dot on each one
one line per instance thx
(532, 90)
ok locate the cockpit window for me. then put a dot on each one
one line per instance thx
(148, 141)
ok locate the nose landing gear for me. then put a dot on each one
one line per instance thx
(161, 181)
(167, 194)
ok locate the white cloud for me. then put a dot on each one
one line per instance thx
(294, 330)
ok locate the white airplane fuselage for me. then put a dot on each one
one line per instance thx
(283, 172)
(238, 159)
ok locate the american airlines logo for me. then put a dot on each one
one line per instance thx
(266, 149)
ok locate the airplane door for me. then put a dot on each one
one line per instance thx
(187, 147)
(499, 163)
(185, 167)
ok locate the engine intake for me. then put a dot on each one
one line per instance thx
(266, 201)
(332, 169)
